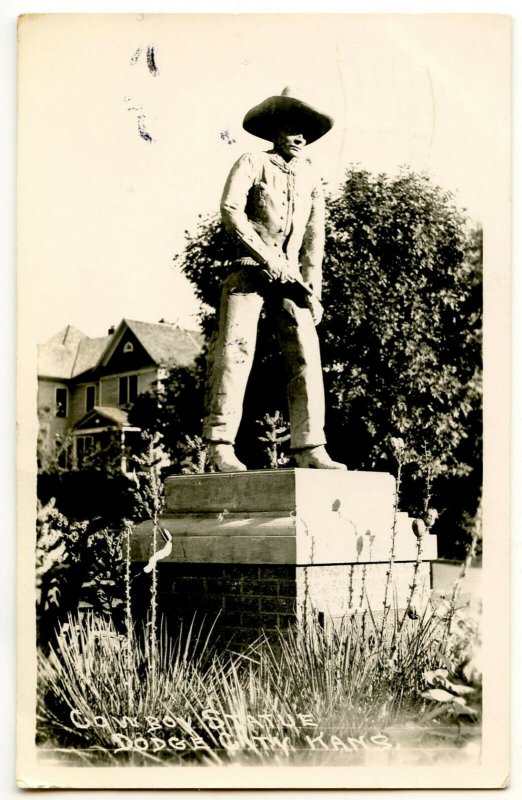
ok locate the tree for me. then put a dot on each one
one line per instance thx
(401, 334)
(400, 339)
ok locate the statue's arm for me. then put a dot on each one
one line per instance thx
(312, 249)
(233, 203)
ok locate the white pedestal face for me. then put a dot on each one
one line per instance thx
(299, 516)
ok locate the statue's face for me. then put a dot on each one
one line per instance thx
(290, 143)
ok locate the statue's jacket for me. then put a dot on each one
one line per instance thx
(269, 203)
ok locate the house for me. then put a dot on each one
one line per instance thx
(86, 385)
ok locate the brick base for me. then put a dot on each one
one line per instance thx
(246, 599)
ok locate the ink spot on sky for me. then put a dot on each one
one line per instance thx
(151, 61)
(145, 135)
(227, 137)
(136, 55)
(140, 116)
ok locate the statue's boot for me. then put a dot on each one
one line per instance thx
(316, 458)
(222, 458)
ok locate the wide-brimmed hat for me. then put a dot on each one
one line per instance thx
(277, 112)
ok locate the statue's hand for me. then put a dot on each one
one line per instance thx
(316, 308)
(292, 273)
(276, 267)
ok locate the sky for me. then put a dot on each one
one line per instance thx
(117, 160)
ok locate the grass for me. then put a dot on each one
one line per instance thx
(320, 694)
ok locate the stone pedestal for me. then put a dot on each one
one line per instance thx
(265, 547)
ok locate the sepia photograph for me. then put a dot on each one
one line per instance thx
(263, 400)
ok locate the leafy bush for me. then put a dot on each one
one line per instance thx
(75, 562)
(87, 561)
(90, 494)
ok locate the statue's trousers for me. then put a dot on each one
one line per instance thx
(231, 354)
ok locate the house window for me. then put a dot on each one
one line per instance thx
(90, 397)
(61, 403)
(128, 347)
(128, 389)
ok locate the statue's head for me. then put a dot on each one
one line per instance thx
(283, 116)
(289, 142)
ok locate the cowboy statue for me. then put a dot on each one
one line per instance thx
(274, 206)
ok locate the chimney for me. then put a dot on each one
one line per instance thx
(111, 330)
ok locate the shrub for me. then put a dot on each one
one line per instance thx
(75, 562)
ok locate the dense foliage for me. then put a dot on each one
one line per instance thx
(83, 523)
(90, 494)
(77, 563)
(175, 411)
(401, 333)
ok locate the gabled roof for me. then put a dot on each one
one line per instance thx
(69, 336)
(167, 345)
(56, 357)
(89, 353)
(70, 353)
